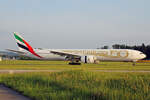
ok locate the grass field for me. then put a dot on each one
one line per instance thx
(61, 65)
(80, 85)
(78, 82)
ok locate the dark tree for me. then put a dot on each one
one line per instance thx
(105, 47)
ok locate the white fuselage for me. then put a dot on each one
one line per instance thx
(100, 54)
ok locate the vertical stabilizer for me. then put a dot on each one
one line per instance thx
(23, 45)
(20, 42)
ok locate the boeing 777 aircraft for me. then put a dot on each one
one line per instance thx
(76, 56)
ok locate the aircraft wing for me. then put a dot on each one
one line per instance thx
(16, 51)
(65, 54)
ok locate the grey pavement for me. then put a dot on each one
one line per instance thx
(123, 71)
(8, 94)
(25, 71)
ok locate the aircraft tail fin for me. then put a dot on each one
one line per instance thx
(23, 45)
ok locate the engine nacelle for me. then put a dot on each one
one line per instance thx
(88, 59)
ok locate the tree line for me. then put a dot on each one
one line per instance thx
(143, 48)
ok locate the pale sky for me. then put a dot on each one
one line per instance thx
(74, 23)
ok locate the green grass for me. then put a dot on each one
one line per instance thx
(62, 65)
(80, 85)
(77, 82)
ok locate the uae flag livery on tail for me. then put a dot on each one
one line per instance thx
(24, 45)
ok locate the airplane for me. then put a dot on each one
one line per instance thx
(76, 56)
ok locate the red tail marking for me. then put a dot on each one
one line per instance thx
(31, 49)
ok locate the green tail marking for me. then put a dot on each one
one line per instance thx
(18, 38)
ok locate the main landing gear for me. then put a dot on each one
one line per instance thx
(74, 63)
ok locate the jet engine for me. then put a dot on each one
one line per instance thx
(88, 59)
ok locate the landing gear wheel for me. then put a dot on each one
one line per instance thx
(73, 63)
(133, 64)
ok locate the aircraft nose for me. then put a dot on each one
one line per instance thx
(143, 56)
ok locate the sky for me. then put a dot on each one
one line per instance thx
(73, 24)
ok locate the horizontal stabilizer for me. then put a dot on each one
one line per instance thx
(16, 51)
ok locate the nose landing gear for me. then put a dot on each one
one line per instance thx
(134, 62)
